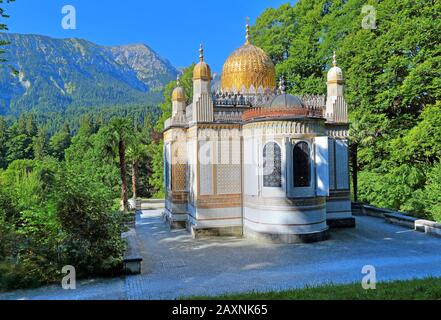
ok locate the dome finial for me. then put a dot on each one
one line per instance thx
(178, 93)
(248, 36)
(201, 70)
(334, 61)
(282, 87)
(201, 52)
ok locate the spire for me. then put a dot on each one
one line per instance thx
(178, 80)
(248, 37)
(334, 61)
(201, 53)
(201, 70)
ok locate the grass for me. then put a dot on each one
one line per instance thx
(422, 289)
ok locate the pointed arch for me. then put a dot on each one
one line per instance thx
(272, 165)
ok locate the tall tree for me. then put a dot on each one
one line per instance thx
(365, 128)
(3, 141)
(117, 135)
(60, 142)
(136, 152)
(19, 144)
(3, 26)
(40, 144)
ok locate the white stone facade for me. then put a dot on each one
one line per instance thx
(269, 166)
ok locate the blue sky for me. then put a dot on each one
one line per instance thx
(174, 29)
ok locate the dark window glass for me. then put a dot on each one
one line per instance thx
(272, 165)
(302, 165)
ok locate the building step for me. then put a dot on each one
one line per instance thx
(146, 204)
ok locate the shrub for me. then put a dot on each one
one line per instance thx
(92, 242)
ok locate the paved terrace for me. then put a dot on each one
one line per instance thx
(176, 265)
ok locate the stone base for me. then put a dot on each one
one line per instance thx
(132, 266)
(167, 217)
(287, 238)
(215, 232)
(357, 208)
(174, 225)
(341, 223)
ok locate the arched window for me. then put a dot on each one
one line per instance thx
(272, 165)
(302, 165)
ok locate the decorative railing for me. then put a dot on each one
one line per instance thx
(313, 101)
(226, 116)
(262, 99)
(262, 112)
(238, 99)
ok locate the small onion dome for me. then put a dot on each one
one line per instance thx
(335, 74)
(202, 71)
(179, 92)
(285, 100)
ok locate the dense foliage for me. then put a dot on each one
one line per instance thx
(60, 198)
(61, 181)
(393, 81)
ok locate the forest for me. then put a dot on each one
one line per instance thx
(62, 180)
(60, 196)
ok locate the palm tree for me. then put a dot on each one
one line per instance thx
(136, 152)
(117, 136)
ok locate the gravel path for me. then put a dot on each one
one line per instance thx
(176, 265)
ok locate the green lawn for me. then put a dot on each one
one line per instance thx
(425, 289)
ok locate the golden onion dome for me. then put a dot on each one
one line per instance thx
(178, 93)
(249, 66)
(202, 69)
(335, 74)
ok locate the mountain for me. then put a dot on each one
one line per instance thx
(59, 75)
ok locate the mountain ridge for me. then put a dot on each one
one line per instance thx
(55, 75)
